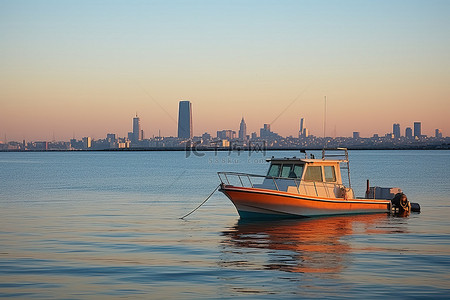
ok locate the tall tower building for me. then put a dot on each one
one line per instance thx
(302, 124)
(243, 130)
(408, 133)
(396, 130)
(303, 132)
(137, 132)
(87, 142)
(185, 120)
(417, 129)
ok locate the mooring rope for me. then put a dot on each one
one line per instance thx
(201, 203)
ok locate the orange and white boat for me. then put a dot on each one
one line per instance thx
(305, 187)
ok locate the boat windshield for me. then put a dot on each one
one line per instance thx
(274, 170)
(298, 171)
(285, 170)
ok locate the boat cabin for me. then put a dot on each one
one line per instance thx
(311, 177)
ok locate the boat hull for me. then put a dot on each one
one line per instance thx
(262, 203)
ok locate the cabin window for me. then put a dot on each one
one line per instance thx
(286, 171)
(313, 173)
(297, 171)
(274, 170)
(330, 175)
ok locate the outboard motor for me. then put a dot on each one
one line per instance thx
(415, 207)
(400, 202)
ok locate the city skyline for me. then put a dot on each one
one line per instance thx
(227, 138)
(185, 121)
(73, 68)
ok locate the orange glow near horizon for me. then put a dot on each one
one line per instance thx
(63, 117)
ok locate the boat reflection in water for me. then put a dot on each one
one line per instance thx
(316, 245)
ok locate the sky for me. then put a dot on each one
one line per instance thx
(85, 68)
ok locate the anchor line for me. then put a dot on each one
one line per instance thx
(204, 201)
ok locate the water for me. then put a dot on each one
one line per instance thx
(78, 225)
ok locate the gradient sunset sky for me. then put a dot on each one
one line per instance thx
(84, 68)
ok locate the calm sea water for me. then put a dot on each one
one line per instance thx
(106, 225)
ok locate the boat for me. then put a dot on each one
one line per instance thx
(307, 187)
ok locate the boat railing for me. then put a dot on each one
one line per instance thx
(229, 178)
(312, 188)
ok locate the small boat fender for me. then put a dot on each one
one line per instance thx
(344, 193)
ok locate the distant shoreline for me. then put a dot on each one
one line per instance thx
(224, 149)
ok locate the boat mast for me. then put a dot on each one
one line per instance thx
(325, 122)
(325, 117)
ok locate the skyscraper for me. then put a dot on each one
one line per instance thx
(137, 132)
(302, 123)
(303, 132)
(265, 131)
(243, 130)
(408, 133)
(87, 142)
(185, 120)
(438, 133)
(417, 129)
(396, 130)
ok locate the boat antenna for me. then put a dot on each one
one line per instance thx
(325, 122)
(325, 117)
